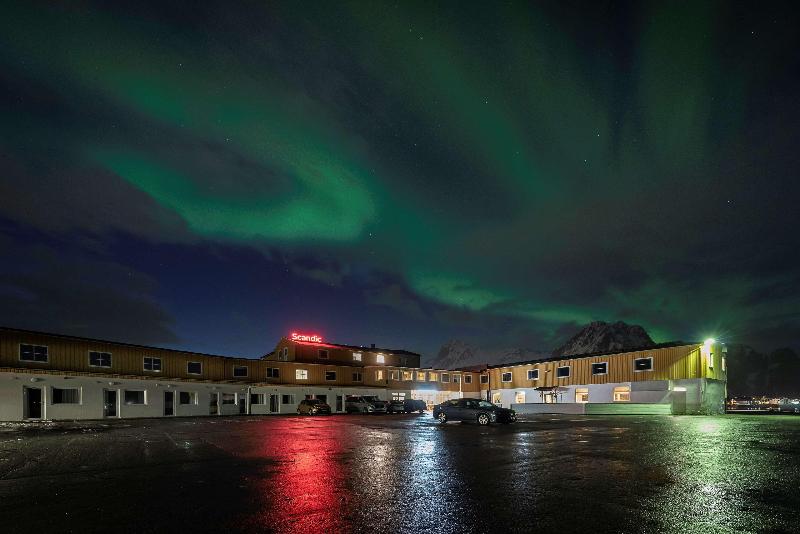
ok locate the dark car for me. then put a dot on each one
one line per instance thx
(396, 406)
(481, 411)
(415, 405)
(313, 407)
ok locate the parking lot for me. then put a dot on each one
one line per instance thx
(404, 473)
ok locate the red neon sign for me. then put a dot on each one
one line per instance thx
(313, 338)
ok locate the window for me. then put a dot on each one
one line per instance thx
(301, 374)
(582, 395)
(273, 372)
(406, 375)
(533, 374)
(152, 364)
(403, 361)
(380, 358)
(496, 398)
(379, 375)
(33, 353)
(330, 375)
(643, 364)
(66, 396)
(194, 368)
(622, 394)
(506, 377)
(257, 398)
(710, 360)
(287, 399)
(99, 359)
(723, 364)
(562, 372)
(394, 375)
(468, 379)
(484, 379)
(357, 377)
(239, 370)
(456, 379)
(519, 398)
(600, 368)
(229, 398)
(187, 397)
(284, 354)
(134, 397)
(323, 354)
(445, 377)
(433, 377)
(356, 356)
(421, 376)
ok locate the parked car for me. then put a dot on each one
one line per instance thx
(415, 405)
(396, 406)
(313, 407)
(481, 411)
(364, 404)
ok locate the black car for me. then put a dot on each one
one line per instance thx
(484, 412)
(396, 406)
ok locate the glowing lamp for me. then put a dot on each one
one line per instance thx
(710, 341)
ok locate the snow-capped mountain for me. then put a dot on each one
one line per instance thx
(457, 353)
(600, 336)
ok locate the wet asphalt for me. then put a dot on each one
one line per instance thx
(404, 473)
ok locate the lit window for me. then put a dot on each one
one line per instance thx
(187, 397)
(356, 377)
(581, 395)
(724, 366)
(484, 379)
(710, 360)
(356, 356)
(496, 398)
(194, 368)
(406, 375)
(519, 398)
(380, 358)
(445, 377)
(33, 353)
(468, 379)
(622, 394)
(152, 364)
(323, 354)
(273, 372)
(433, 377)
(240, 370)
(134, 397)
(379, 375)
(533, 374)
(330, 375)
(506, 377)
(562, 372)
(420, 376)
(643, 364)
(66, 396)
(394, 375)
(301, 374)
(99, 359)
(600, 368)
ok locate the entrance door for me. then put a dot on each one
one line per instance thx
(169, 403)
(109, 403)
(338, 403)
(213, 404)
(242, 405)
(33, 403)
(274, 407)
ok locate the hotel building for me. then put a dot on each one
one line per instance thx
(56, 377)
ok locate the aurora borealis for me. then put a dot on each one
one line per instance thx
(210, 177)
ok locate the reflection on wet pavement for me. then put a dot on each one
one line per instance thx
(408, 473)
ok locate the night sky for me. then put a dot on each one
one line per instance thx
(211, 178)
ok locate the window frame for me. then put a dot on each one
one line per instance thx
(605, 368)
(192, 398)
(144, 397)
(380, 359)
(503, 377)
(358, 376)
(626, 390)
(100, 352)
(188, 372)
(379, 374)
(289, 396)
(152, 361)
(484, 379)
(468, 379)
(271, 371)
(649, 369)
(533, 371)
(326, 352)
(301, 374)
(33, 353)
(445, 378)
(357, 357)
(329, 371)
(246, 371)
(260, 396)
(567, 367)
